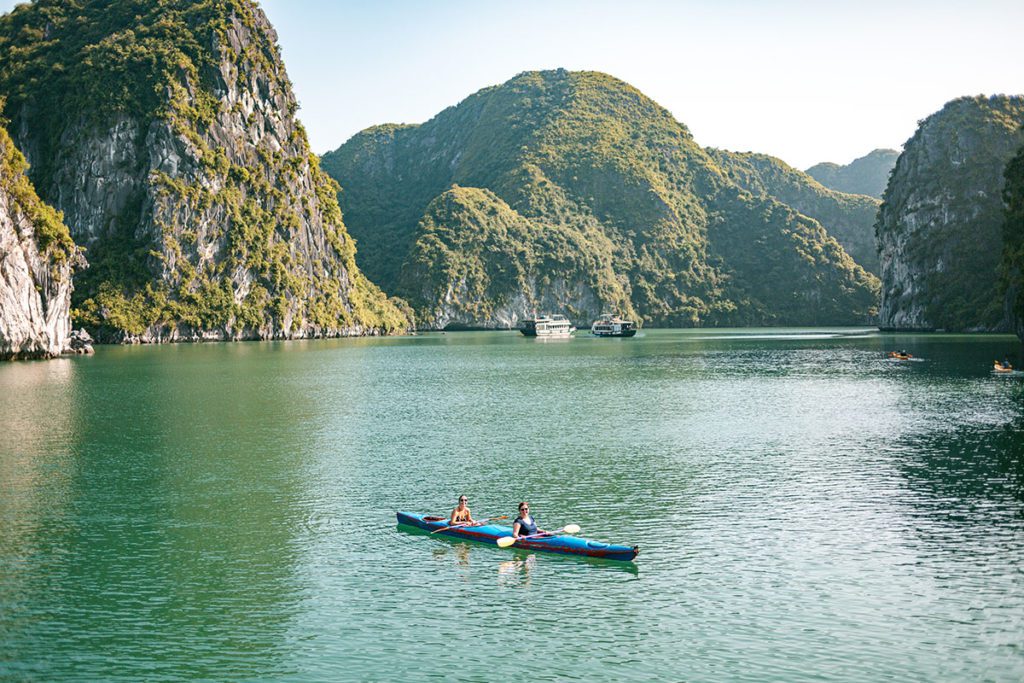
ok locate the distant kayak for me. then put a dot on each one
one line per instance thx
(895, 355)
(490, 533)
(998, 367)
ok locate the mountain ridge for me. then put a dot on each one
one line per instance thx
(587, 153)
(867, 175)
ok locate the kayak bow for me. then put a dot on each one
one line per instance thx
(490, 533)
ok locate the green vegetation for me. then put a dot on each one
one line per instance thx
(850, 218)
(52, 236)
(867, 175)
(475, 254)
(943, 206)
(581, 184)
(241, 233)
(1013, 240)
(783, 267)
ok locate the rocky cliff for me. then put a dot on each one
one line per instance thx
(850, 218)
(867, 175)
(1013, 243)
(574, 193)
(37, 257)
(166, 133)
(940, 225)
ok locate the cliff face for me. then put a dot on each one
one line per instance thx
(165, 132)
(36, 262)
(573, 193)
(850, 218)
(1013, 244)
(867, 175)
(940, 225)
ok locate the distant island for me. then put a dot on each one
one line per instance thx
(573, 192)
(867, 175)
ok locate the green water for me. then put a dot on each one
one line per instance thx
(806, 510)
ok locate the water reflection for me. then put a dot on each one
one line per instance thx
(516, 573)
(37, 402)
(227, 511)
(183, 523)
(965, 485)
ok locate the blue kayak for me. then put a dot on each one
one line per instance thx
(490, 533)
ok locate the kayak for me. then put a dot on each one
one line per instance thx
(899, 356)
(1000, 368)
(490, 533)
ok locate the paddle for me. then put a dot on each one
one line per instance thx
(476, 523)
(506, 541)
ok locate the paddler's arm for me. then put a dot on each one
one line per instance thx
(515, 529)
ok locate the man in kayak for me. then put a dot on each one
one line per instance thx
(525, 525)
(461, 514)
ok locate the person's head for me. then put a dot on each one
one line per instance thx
(463, 500)
(524, 508)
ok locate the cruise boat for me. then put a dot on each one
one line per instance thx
(544, 326)
(613, 326)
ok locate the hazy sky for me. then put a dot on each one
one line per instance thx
(804, 81)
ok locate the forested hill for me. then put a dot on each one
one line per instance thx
(867, 175)
(940, 228)
(573, 192)
(850, 218)
(165, 131)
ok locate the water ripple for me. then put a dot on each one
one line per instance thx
(806, 510)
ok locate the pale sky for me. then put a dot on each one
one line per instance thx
(804, 81)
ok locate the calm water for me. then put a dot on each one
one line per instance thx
(806, 510)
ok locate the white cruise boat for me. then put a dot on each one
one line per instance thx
(544, 326)
(613, 326)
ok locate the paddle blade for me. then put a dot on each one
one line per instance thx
(571, 529)
(506, 541)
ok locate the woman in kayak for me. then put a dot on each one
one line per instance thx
(525, 525)
(461, 514)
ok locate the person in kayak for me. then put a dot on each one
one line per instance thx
(525, 525)
(461, 514)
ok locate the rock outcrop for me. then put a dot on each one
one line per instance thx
(867, 175)
(940, 227)
(166, 133)
(37, 257)
(572, 192)
(1013, 244)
